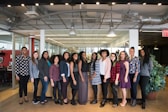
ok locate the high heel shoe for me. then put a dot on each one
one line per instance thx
(123, 104)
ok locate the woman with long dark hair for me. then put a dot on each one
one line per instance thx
(65, 74)
(74, 76)
(95, 75)
(105, 67)
(114, 80)
(34, 74)
(83, 80)
(146, 66)
(44, 65)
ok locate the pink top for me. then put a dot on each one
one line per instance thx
(107, 68)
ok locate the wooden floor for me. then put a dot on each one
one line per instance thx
(9, 103)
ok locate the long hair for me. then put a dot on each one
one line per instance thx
(72, 60)
(33, 59)
(146, 56)
(80, 55)
(67, 60)
(126, 55)
(94, 60)
(114, 62)
(42, 56)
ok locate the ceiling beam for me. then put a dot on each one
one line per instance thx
(62, 21)
(102, 20)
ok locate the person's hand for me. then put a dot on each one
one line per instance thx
(94, 75)
(126, 79)
(116, 82)
(83, 80)
(135, 79)
(64, 79)
(45, 78)
(52, 84)
(74, 82)
(104, 80)
(32, 80)
(17, 77)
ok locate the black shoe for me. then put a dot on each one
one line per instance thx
(143, 105)
(102, 104)
(73, 102)
(133, 103)
(60, 102)
(93, 101)
(35, 102)
(56, 101)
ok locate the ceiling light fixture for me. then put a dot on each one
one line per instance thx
(36, 4)
(97, 3)
(129, 3)
(22, 5)
(144, 3)
(82, 3)
(51, 4)
(9, 6)
(113, 3)
(159, 4)
(66, 3)
(72, 30)
(111, 32)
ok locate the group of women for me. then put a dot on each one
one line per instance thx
(125, 73)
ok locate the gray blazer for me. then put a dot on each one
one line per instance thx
(33, 68)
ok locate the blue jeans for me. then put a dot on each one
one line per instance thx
(44, 89)
(134, 86)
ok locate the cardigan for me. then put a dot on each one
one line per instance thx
(64, 69)
(33, 68)
(43, 68)
(107, 68)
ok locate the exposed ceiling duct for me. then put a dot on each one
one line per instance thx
(32, 12)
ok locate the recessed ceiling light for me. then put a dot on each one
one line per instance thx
(22, 5)
(66, 3)
(36, 4)
(8, 5)
(82, 3)
(144, 3)
(51, 3)
(97, 3)
(113, 3)
(129, 3)
(159, 4)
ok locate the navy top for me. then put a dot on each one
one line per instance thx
(64, 68)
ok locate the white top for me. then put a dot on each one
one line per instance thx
(68, 69)
(102, 67)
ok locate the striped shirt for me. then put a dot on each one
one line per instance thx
(22, 65)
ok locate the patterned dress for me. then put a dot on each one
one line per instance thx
(123, 84)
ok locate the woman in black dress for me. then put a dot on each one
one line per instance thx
(74, 76)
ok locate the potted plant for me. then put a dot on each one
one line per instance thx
(157, 79)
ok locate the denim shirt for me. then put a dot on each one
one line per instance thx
(34, 71)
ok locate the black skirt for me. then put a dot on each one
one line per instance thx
(76, 76)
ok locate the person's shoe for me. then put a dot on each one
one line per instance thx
(42, 102)
(73, 102)
(102, 104)
(21, 101)
(123, 104)
(60, 102)
(133, 103)
(35, 102)
(143, 105)
(93, 101)
(45, 101)
(115, 105)
(26, 99)
(56, 101)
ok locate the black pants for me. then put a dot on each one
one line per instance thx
(144, 80)
(64, 86)
(23, 85)
(115, 93)
(36, 81)
(95, 91)
(133, 89)
(57, 87)
(104, 87)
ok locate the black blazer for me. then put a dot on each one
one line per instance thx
(43, 68)
(63, 68)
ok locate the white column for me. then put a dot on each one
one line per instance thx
(134, 39)
(13, 61)
(42, 41)
(30, 47)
